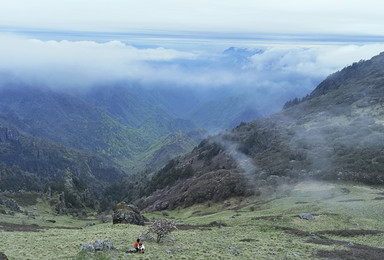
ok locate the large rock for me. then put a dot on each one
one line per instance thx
(128, 214)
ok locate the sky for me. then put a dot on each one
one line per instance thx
(250, 16)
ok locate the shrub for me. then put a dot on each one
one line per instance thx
(162, 228)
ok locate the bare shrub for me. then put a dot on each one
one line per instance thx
(162, 228)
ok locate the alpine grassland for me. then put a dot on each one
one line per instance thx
(347, 224)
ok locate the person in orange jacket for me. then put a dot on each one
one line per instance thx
(136, 245)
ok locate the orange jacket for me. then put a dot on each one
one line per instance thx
(136, 245)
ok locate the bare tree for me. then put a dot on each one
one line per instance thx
(162, 228)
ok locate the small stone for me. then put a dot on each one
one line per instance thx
(306, 216)
(235, 250)
(168, 252)
(350, 244)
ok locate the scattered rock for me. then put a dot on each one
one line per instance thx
(128, 214)
(89, 224)
(51, 220)
(235, 250)
(2, 211)
(3, 256)
(350, 244)
(87, 247)
(168, 252)
(306, 216)
(99, 245)
(227, 203)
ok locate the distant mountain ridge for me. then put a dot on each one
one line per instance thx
(33, 164)
(110, 122)
(335, 133)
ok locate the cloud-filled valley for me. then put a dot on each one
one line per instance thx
(269, 75)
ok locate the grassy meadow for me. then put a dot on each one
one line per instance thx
(348, 224)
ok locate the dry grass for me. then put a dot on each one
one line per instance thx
(244, 233)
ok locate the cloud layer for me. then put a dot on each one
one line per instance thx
(73, 64)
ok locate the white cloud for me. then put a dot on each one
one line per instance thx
(288, 70)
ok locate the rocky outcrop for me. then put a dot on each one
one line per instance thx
(128, 214)
(7, 134)
(98, 245)
(12, 205)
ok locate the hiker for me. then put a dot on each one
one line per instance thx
(141, 248)
(136, 245)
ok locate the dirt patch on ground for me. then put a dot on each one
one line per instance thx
(351, 200)
(10, 227)
(247, 240)
(202, 227)
(352, 252)
(350, 233)
(267, 218)
(297, 232)
(199, 213)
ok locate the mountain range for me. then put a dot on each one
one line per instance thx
(334, 133)
(103, 144)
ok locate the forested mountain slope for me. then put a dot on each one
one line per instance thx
(335, 133)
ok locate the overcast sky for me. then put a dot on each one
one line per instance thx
(272, 16)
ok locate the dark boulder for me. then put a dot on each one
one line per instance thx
(3, 256)
(128, 214)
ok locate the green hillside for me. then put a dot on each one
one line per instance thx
(109, 122)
